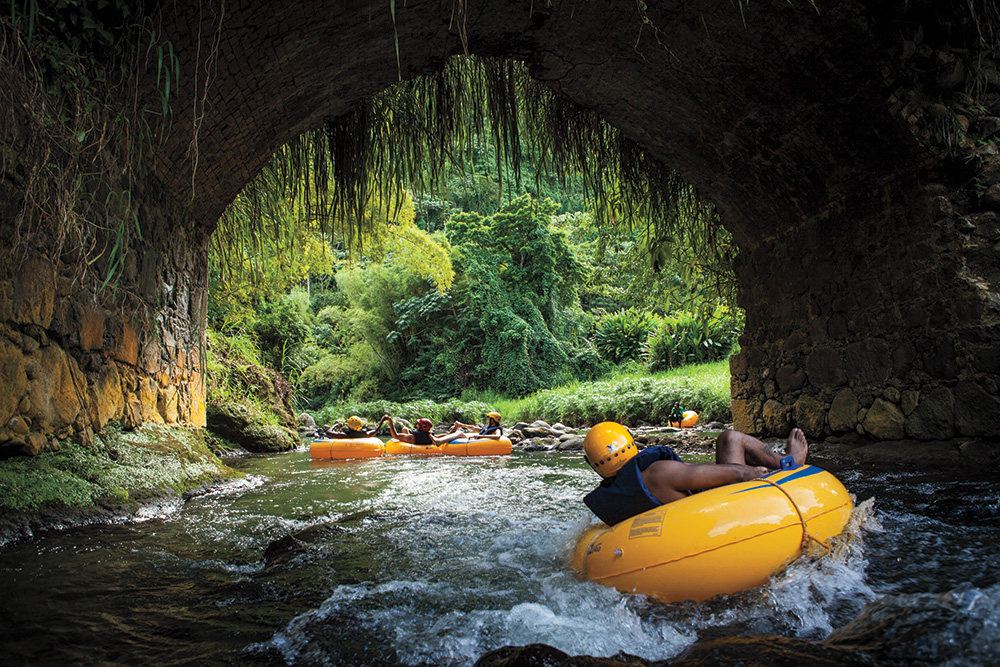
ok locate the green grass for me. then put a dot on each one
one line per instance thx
(629, 396)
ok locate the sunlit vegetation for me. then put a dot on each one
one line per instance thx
(494, 259)
(630, 395)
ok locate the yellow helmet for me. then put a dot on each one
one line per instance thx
(493, 415)
(607, 447)
(355, 423)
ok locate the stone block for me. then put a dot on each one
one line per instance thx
(743, 416)
(166, 404)
(738, 366)
(34, 292)
(884, 420)
(91, 322)
(18, 426)
(810, 415)
(790, 378)
(902, 359)
(573, 444)
(934, 416)
(148, 398)
(837, 327)
(825, 368)
(58, 388)
(538, 429)
(127, 345)
(132, 415)
(869, 361)
(777, 418)
(13, 381)
(196, 400)
(106, 396)
(976, 411)
(34, 444)
(152, 359)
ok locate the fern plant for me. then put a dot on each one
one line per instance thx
(687, 338)
(622, 336)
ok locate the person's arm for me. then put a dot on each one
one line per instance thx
(493, 433)
(402, 437)
(378, 427)
(672, 480)
(330, 434)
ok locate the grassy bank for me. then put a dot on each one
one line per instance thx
(629, 397)
(119, 471)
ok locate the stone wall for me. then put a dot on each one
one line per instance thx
(883, 319)
(79, 349)
(836, 144)
(879, 328)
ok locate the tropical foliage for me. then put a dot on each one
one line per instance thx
(435, 269)
(622, 336)
(687, 338)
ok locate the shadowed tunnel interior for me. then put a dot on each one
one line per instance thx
(870, 308)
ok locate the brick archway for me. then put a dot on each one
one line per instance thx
(866, 311)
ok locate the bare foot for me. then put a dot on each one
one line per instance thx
(797, 446)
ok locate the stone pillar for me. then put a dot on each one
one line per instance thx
(876, 325)
(91, 335)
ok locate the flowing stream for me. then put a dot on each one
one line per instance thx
(437, 561)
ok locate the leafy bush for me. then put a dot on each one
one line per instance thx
(686, 339)
(330, 379)
(236, 372)
(281, 327)
(587, 364)
(322, 299)
(628, 398)
(622, 336)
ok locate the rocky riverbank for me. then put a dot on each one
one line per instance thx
(117, 477)
(541, 436)
(971, 454)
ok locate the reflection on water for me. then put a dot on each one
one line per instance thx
(437, 561)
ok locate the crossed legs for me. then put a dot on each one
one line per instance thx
(737, 447)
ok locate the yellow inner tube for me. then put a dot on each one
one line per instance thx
(475, 447)
(346, 448)
(688, 419)
(722, 540)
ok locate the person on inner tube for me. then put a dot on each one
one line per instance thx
(354, 428)
(421, 435)
(492, 430)
(637, 481)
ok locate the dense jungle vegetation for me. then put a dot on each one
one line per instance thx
(493, 288)
(466, 234)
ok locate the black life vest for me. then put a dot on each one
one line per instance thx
(625, 495)
(422, 437)
(490, 429)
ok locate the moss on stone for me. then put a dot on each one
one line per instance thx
(121, 468)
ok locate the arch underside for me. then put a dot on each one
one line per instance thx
(867, 311)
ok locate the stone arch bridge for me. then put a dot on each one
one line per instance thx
(868, 263)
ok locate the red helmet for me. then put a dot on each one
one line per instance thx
(424, 424)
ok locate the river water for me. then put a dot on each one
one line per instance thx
(437, 561)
